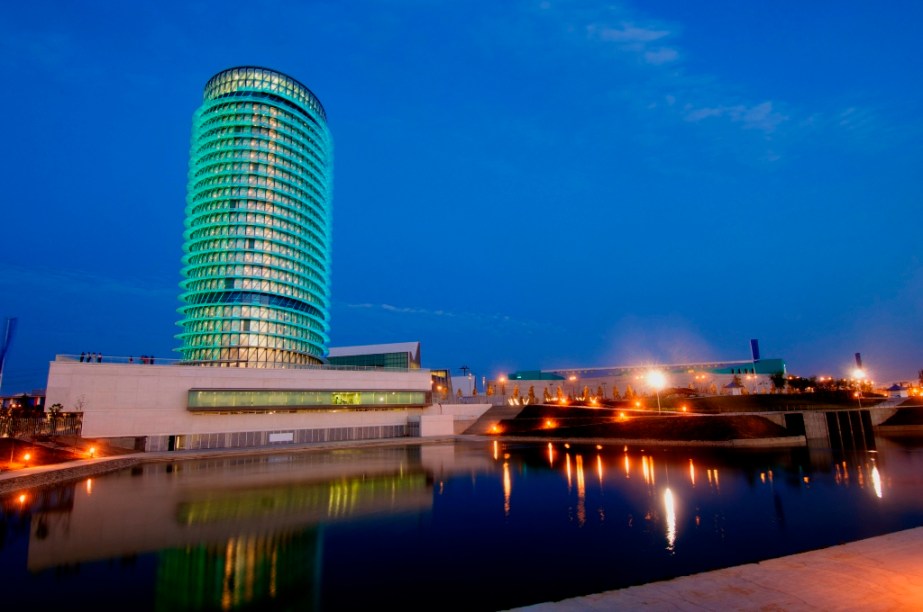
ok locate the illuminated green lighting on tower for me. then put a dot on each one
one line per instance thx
(256, 256)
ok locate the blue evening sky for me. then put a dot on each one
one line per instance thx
(518, 185)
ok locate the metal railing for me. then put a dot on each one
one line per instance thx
(65, 424)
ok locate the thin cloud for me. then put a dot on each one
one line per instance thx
(760, 117)
(663, 55)
(669, 90)
(473, 318)
(635, 41)
(64, 280)
(625, 33)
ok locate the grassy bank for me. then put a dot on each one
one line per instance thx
(548, 421)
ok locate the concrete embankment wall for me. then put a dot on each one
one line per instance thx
(815, 426)
(53, 474)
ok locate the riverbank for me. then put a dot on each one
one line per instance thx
(66, 471)
(569, 422)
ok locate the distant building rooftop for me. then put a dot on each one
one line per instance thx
(394, 355)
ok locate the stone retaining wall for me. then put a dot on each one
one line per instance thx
(50, 475)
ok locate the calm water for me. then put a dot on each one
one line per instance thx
(473, 526)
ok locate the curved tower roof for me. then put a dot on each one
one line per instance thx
(256, 256)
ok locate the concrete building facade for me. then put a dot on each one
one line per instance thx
(177, 407)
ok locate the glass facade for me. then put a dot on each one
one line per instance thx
(286, 399)
(256, 257)
(398, 360)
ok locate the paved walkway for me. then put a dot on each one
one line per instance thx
(882, 573)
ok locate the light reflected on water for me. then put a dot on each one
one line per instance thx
(581, 492)
(647, 469)
(567, 466)
(670, 507)
(876, 480)
(842, 475)
(550, 455)
(692, 472)
(713, 479)
(507, 488)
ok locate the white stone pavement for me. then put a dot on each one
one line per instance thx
(877, 574)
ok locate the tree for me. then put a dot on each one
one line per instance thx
(778, 381)
(55, 411)
(615, 393)
(801, 384)
(629, 392)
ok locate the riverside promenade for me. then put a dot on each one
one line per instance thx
(877, 574)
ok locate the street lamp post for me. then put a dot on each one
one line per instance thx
(859, 375)
(657, 380)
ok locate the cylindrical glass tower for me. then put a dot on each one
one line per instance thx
(256, 257)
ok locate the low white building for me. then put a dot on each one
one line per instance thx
(173, 407)
(898, 390)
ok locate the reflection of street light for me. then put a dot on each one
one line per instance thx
(657, 380)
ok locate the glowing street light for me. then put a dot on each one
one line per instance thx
(657, 380)
(859, 374)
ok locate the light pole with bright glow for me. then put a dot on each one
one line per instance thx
(657, 380)
(859, 375)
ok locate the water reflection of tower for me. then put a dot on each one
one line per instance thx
(243, 571)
